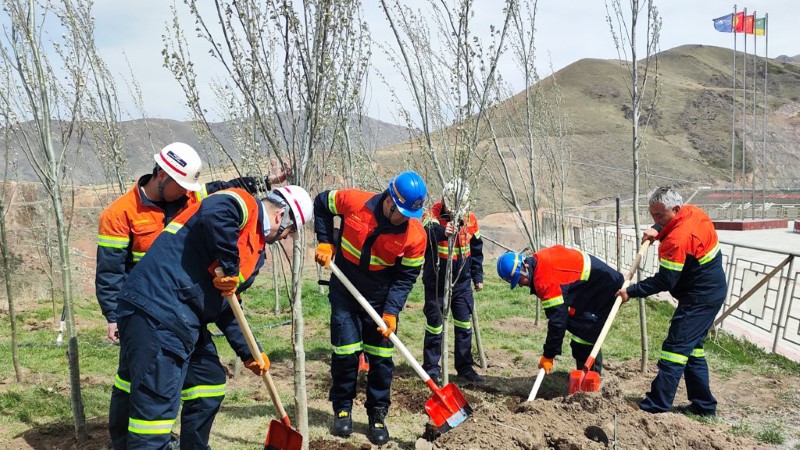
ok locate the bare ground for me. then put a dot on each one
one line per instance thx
(503, 420)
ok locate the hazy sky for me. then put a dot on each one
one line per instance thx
(566, 32)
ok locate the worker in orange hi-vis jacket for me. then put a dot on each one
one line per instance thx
(381, 252)
(690, 268)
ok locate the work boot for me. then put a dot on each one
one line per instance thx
(471, 376)
(342, 423)
(436, 377)
(378, 433)
(692, 409)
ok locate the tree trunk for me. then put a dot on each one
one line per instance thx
(12, 316)
(298, 341)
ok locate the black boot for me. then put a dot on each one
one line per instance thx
(378, 433)
(342, 423)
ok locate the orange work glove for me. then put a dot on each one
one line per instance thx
(255, 367)
(324, 254)
(226, 285)
(546, 364)
(391, 323)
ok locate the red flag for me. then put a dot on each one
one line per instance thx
(749, 21)
(738, 22)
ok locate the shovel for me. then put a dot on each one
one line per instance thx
(447, 408)
(280, 435)
(536, 385)
(587, 380)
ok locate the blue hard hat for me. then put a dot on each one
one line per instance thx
(509, 267)
(408, 192)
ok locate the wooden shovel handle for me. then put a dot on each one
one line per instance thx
(379, 321)
(255, 352)
(615, 308)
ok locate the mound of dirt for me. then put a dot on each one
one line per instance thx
(586, 421)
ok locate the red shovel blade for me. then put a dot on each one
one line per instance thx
(363, 365)
(583, 381)
(447, 408)
(591, 382)
(281, 436)
(576, 380)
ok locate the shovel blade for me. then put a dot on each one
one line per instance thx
(591, 382)
(282, 437)
(447, 408)
(576, 380)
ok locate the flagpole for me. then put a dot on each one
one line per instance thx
(753, 133)
(733, 112)
(744, 116)
(764, 130)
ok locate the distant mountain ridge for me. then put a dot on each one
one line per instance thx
(687, 141)
(144, 137)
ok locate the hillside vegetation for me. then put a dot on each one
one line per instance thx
(687, 140)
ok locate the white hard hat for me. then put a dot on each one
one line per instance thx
(456, 193)
(299, 203)
(182, 164)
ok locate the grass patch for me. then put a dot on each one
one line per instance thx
(772, 433)
(741, 429)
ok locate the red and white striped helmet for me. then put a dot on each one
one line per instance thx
(299, 203)
(182, 164)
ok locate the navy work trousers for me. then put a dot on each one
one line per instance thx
(462, 304)
(147, 365)
(682, 355)
(354, 332)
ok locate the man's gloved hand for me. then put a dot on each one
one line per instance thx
(391, 323)
(546, 364)
(226, 285)
(255, 367)
(324, 254)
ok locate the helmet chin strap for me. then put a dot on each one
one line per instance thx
(161, 186)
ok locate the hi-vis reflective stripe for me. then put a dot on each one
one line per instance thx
(434, 330)
(202, 193)
(383, 352)
(462, 252)
(121, 384)
(104, 240)
(587, 266)
(150, 426)
(349, 248)
(332, 202)
(242, 205)
(349, 349)
(698, 353)
(674, 357)
(710, 255)
(555, 301)
(202, 391)
(412, 262)
(137, 256)
(670, 265)
(173, 227)
(375, 261)
(462, 325)
(581, 341)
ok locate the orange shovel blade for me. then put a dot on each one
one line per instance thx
(447, 408)
(576, 380)
(363, 365)
(282, 437)
(591, 382)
